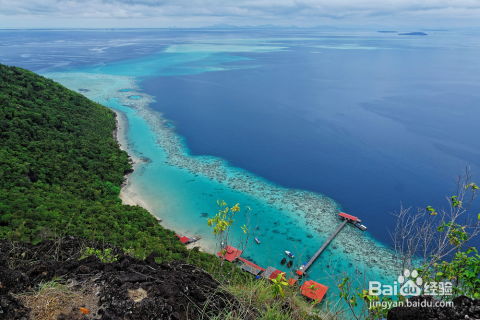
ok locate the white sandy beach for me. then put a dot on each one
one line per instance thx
(316, 211)
(130, 194)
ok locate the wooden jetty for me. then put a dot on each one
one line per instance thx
(346, 219)
(310, 289)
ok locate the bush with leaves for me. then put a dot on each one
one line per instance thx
(223, 220)
(278, 285)
(437, 243)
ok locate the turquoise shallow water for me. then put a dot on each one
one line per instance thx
(168, 64)
(180, 196)
(180, 189)
(369, 119)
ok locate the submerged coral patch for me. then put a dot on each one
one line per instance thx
(310, 217)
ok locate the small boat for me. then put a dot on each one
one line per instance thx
(289, 264)
(289, 254)
(257, 240)
(360, 226)
(283, 261)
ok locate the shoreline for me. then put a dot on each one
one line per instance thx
(129, 194)
(315, 212)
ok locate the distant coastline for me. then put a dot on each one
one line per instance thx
(416, 33)
(413, 34)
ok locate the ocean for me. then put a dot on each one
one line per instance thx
(295, 125)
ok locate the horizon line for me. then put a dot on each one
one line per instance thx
(363, 28)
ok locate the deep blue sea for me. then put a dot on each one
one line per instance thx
(371, 120)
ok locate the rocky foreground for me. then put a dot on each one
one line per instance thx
(55, 280)
(88, 288)
(464, 308)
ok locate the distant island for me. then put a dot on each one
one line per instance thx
(387, 31)
(413, 34)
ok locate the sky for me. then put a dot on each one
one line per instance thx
(201, 13)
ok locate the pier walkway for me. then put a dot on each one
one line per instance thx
(310, 289)
(324, 246)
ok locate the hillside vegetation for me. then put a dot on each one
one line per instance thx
(61, 170)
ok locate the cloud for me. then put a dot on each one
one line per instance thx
(251, 12)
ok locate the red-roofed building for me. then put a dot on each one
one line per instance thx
(184, 239)
(250, 266)
(229, 253)
(271, 273)
(275, 274)
(349, 217)
(313, 290)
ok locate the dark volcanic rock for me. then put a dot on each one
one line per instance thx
(11, 280)
(129, 288)
(11, 308)
(464, 308)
